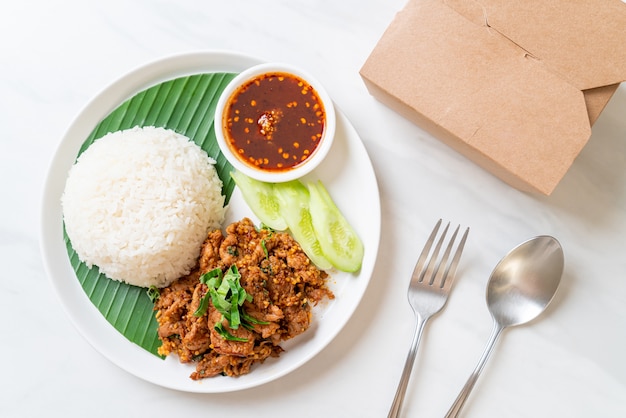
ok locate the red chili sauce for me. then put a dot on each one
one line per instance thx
(274, 122)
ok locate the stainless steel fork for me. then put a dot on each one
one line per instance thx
(428, 293)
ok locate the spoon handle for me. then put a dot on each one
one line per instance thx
(408, 367)
(455, 409)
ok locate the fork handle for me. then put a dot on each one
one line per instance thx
(408, 367)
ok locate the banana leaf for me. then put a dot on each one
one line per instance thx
(185, 105)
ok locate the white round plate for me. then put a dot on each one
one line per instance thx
(347, 173)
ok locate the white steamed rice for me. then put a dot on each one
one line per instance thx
(139, 204)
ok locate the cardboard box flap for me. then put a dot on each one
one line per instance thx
(597, 99)
(582, 41)
(482, 94)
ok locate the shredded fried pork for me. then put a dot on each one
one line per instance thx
(283, 282)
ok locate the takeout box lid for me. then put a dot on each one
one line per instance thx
(515, 86)
(581, 41)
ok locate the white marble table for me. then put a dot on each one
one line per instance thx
(570, 363)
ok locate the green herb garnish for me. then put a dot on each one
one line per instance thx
(211, 279)
(227, 335)
(227, 296)
(153, 293)
(247, 319)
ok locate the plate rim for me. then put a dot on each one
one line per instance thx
(97, 108)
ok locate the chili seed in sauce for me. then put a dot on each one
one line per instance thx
(274, 122)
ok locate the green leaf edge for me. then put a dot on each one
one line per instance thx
(185, 105)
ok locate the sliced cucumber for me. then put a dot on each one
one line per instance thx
(294, 209)
(311, 216)
(261, 199)
(339, 242)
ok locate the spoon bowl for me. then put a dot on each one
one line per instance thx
(520, 288)
(525, 281)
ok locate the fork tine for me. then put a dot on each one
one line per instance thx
(430, 270)
(451, 269)
(438, 274)
(418, 271)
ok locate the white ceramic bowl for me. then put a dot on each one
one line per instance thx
(273, 175)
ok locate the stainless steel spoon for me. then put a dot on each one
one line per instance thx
(521, 286)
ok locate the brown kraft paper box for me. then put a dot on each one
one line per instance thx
(513, 85)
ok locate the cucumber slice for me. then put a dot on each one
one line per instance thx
(261, 199)
(339, 242)
(294, 208)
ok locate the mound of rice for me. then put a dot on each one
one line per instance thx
(139, 204)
